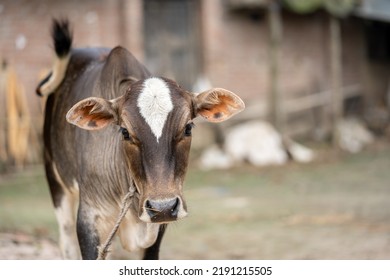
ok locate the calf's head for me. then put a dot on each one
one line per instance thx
(155, 117)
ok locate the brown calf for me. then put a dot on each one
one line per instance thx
(128, 129)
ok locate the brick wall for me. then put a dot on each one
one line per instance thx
(25, 33)
(234, 45)
(237, 53)
(235, 50)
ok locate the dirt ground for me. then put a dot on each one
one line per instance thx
(335, 208)
(22, 246)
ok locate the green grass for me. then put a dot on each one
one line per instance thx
(25, 203)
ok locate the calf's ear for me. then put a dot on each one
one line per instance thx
(93, 113)
(218, 104)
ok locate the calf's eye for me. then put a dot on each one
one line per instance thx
(125, 133)
(188, 129)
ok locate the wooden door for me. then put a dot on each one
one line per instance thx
(171, 33)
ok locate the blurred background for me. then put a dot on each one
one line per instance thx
(302, 173)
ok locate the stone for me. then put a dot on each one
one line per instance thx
(256, 142)
(352, 135)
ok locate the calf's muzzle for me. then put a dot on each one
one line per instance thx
(161, 211)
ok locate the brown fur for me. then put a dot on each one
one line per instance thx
(99, 95)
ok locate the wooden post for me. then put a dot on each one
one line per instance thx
(275, 30)
(336, 75)
(3, 114)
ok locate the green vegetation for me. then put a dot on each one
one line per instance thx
(25, 203)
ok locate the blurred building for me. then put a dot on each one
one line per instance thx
(224, 43)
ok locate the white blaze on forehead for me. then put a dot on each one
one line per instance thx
(154, 103)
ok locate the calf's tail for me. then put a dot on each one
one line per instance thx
(62, 39)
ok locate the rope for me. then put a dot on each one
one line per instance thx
(104, 249)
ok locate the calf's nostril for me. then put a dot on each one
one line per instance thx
(175, 207)
(148, 205)
(152, 212)
(163, 209)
